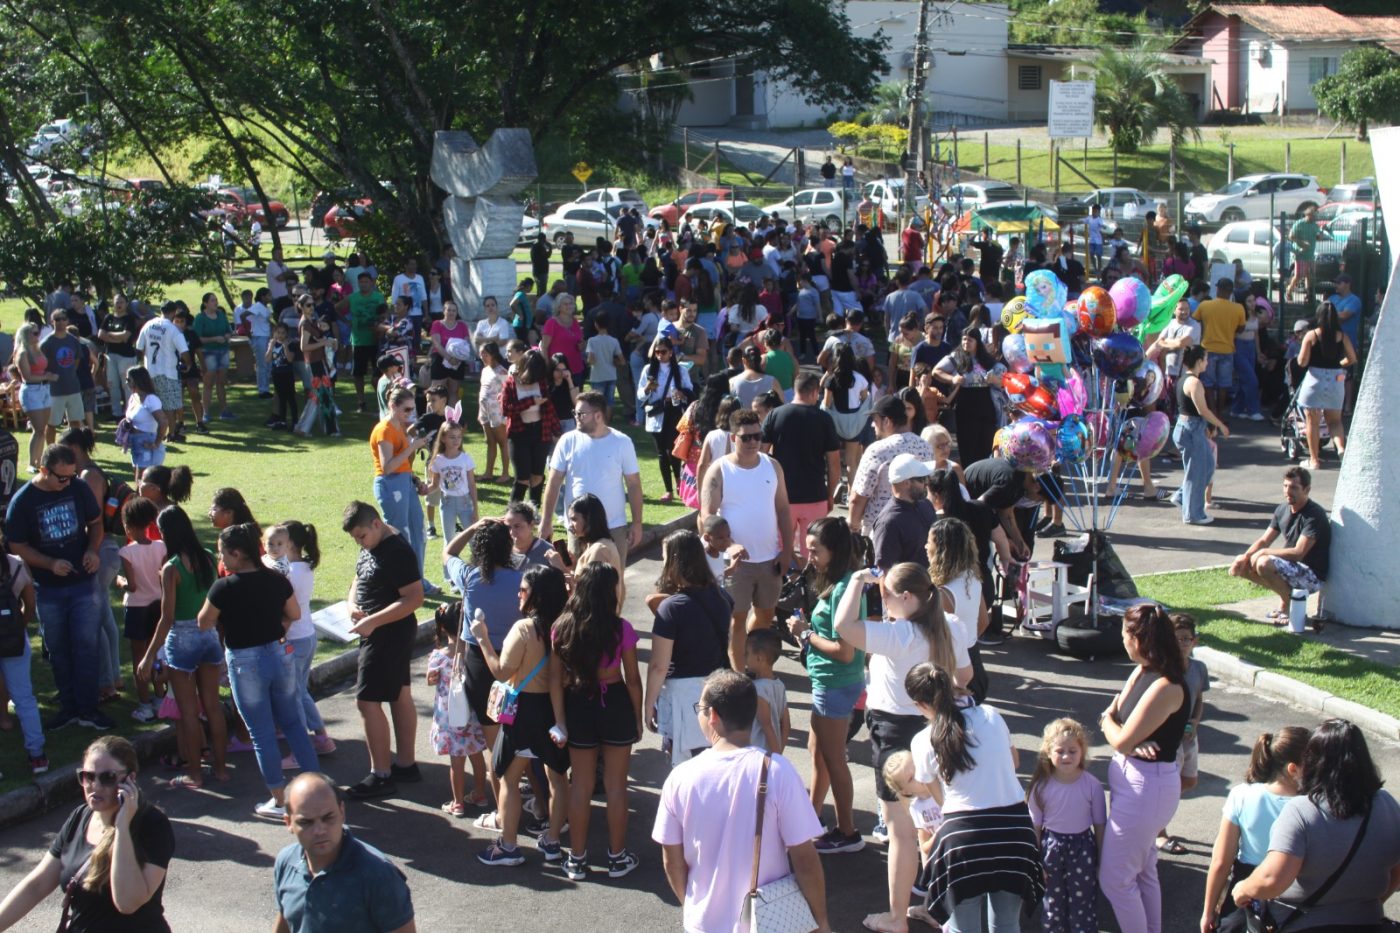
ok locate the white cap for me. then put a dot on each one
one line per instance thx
(908, 466)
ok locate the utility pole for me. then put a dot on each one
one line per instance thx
(915, 165)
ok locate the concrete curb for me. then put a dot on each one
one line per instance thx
(1314, 699)
(61, 786)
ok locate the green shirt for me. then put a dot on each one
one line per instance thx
(779, 365)
(381, 392)
(216, 326)
(1304, 237)
(189, 595)
(631, 276)
(828, 672)
(364, 314)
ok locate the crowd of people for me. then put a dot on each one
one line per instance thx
(708, 340)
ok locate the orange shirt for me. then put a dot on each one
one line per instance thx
(398, 442)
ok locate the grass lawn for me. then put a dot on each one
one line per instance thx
(1203, 592)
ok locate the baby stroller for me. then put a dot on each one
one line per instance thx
(1293, 426)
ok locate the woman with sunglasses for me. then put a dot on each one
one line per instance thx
(666, 390)
(109, 858)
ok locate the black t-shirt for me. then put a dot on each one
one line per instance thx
(802, 436)
(842, 268)
(125, 325)
(698, 622)
(983, 521)
(1310, 520)
(931, 353)
(56, 525)
(900, 533)
(382, 571)
(571, 255)
(93, 911)
(250, 606)
(995, 481)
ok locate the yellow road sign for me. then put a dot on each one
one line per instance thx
(582, 171)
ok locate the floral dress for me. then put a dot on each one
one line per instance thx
(455, 743)
(489, 406)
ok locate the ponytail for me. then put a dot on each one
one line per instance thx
(181, 484)
(929, 618)
(933, 687)
(1274, 752)
(304, 539)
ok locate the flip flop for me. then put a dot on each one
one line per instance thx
(185, 781)
(1170, 845)
(487, 821)
(1277, 617)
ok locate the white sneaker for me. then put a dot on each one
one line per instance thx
(269, 809)
(1204, 521)
(144, 712)
(1257, 416)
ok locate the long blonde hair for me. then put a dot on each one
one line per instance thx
(952, 551)
(99, 873)
(928, 618)
(1064, 728)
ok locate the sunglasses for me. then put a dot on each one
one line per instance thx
(102, 778)
(64, 478)
(749, 437)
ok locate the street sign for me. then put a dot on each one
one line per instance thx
(1071, 109)
(582, 171)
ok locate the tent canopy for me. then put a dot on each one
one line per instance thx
(1005, 218)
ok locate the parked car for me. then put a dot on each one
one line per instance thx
(612, 197)
(1123, 208)
(1341, 248)
(243, 203)
(1361, 190)
(1249, 198)
(815, 205)
(585, 222)
(969, 194)
(1254, 242)
(529, 229)
(728, 212)
(888, 195)
(673, 212)
(50, 136)
(323, 201)
(340, 221)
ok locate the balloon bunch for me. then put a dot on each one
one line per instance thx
(1075, 370)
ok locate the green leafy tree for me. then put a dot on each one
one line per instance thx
(1365, 89)
(1074, 22)
(1135, 97)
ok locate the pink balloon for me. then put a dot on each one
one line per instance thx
(1132, 300)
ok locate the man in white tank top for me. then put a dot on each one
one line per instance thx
(747, 488)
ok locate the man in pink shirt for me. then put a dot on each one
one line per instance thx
(705, 823)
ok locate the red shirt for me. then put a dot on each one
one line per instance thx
(512, 407)
(912, 245)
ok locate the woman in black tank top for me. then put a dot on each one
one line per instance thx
(1189, 435)
(1144, 724)
(1325, 353)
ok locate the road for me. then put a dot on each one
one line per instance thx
(221, 880)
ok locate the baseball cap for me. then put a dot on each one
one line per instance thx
(1342, 278)
(908, 466)
(1301, 326)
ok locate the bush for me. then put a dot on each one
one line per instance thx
(883, 135)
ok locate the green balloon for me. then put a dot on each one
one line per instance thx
(1164, 300)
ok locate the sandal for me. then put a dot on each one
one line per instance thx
(1276, 617)
(187, 782)
(488, 821)
(459, 810)
(478, 800)
(173, 762)
(1170, 845)
(920, 913)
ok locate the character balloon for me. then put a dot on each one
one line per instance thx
(1148, 383)
(1169, 291)
(1118, 354)
(1045, 293)
(1013, 313)
(1029, 445)
(1096, 312)
(1073, 440)
(1013, 351)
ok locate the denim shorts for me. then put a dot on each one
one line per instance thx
(35, 396)
(836, 702)
(186, 647)
(143, 456)
(1220, 370)
(216, 359)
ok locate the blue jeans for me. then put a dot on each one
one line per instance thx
(1198, 464)
(71, 618)
(607, 387)
(455, 509)
(1003, 914)
(265, 690)
(638, 363)
(259, 345)
(17, 681)
(109, 639)
(303, 653)
(1246, 378)
(399, 506)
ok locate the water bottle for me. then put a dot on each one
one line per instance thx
(1298, 612)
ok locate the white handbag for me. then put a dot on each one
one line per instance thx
(779, 906)
(459, 713)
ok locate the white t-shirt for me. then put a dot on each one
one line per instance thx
(261, 317)
(895, 647)
(598, 465)
(413, 287)
(967, 603)
(275, 271)
(501, 332)
(303, 580)
(1095, 225)
(453, 472)
(742, 327)
(162, 343)
(141, 412)
(1171, 359)
(991, 781)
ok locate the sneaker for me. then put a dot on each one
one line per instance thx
(834, 842)
(59, 720)
(431, 589)
(576, 867)
(991, 640)
(271, 422)
(409, 774)
(1054, 530)
(323, 744)
(201, 427)
(372, 786)
(1257, 416)
(881, 832)
(432, 532)
(227, 414)
(38, 764)
(498, 854)
(553, 851)
(622, 864)
(264, 395)
(269, 810)
(1203, 521)
(144, 712)
(290, 763)
(99, 721)
(362, 408)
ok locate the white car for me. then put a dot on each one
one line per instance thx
(1252, 197)
(888, 195)
(529, 229)
(611, 197)
(1255, 243)
(816, 205)
(969, 194)
(585, 222)
(50, 137)
(729, 212)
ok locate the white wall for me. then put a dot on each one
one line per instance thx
(1300, 57)
(1263, 79)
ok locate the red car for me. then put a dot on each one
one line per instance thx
(341, 219)
(244, 207)
(673, 212)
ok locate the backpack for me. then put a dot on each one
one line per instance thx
(117, 494)
(12, 625)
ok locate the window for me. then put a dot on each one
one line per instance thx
(688, 199)
(1320, 67)
(627, 194)
(1238, 235)
(1291, 183)
(803, 199)
(1028, 78)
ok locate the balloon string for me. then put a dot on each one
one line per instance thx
(1123, 482)
(1063, 502)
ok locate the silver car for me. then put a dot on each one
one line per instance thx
(585, 222)
(817, 205)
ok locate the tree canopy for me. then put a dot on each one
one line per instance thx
(1365, 89)
(1134, 97)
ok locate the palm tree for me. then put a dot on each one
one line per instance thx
(1134, 97)
(888, 104)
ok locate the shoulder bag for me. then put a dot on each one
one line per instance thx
(459, 713)
(504, 700)
(1260, 919)
(779, 906)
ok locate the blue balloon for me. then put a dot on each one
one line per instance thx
(1013, 350)
(1073, 439)
(1118, 355)
(1045, 293)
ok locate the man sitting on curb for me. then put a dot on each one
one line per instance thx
(1301, 564)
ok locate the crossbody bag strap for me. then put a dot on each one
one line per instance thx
(1326, 886)
(69, 890)
(758, 821)
(530, 676)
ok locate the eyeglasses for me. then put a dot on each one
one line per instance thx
(750, 437)
(581, 412)
(103, 778)
(700, 708)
